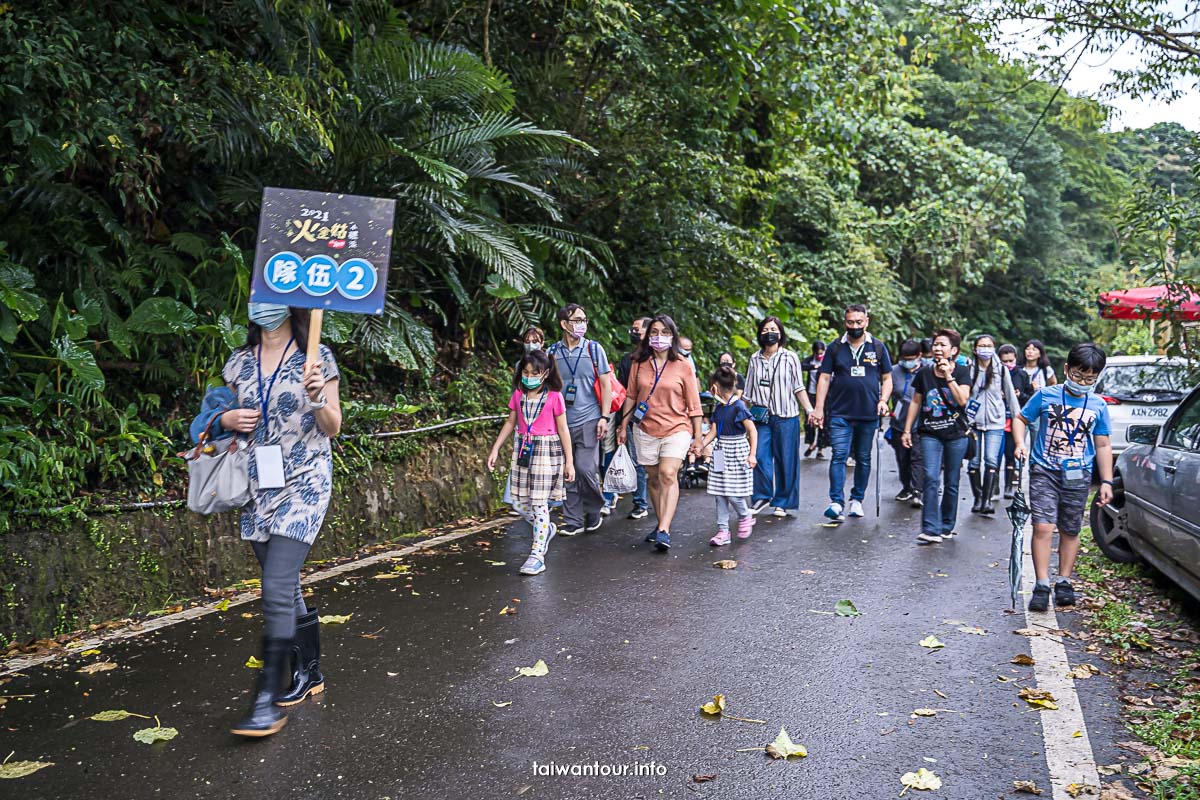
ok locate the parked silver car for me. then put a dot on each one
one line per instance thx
(1141, 390)
(1155, 513)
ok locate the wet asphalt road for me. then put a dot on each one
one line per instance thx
(635, 642)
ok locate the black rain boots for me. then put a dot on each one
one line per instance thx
(976, 490)
(306, 677)
(989, 483)
(1010, 482)
(265, 718)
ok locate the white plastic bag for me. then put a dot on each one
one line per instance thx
(621, 477)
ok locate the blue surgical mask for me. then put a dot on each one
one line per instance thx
(268, 316)
(985, 353)
(910, 364)
(531, 346)
(1078, 389)
(531, 383)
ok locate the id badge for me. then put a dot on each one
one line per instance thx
(569, 393)
(718, 460)
(764, 381)
(972, 408)
(1073, 474)
(269, 460)
(525, 454)
(858, 372)
(640, 411)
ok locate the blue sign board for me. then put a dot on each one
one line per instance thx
(321, 250)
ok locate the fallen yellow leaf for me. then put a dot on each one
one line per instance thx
(334, 619)
(923, 780)
(90, 653)
(536, 671)
(726, 563)
(98, 666)
(505, 704)
(932, 642)
(715, 706)
(254, 663)
(1023, 660)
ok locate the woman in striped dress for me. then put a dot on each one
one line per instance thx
(731, 469)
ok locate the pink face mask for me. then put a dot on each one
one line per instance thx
(660, 343)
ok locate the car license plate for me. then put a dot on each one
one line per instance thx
(1153, 412)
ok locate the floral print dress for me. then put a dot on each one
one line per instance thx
(298, 508)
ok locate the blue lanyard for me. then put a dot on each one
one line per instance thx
(264, 398)
(1063, 426)
(582, 347)
(908, 379)
(537, 412)
(658, 373)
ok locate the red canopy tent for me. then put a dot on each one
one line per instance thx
(1150, 302)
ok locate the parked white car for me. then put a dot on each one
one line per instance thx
(1141, 390)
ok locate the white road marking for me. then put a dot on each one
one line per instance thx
(15, 665)
(1068, 757)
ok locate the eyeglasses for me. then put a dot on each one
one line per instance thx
(577, 319)
(1081, 379)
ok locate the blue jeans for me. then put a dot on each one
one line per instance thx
(639, 495)
(777, 476)
(991, 445)
(944, 457)
(846, 435)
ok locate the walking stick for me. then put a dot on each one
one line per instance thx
(878, 465)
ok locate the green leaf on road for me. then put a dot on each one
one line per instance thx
(846, 608)
(156, 734)
(784, 747)
(115, 716)
(254, 663)
(932, 642)
(536, 671)
(334, 619)
(922, 779)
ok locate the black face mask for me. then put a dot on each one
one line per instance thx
(727, 366)
(768, 339)
(855, 333)
(635, 337)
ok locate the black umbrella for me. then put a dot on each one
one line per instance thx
(1018, 512)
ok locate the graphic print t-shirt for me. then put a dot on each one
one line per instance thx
(1067, 426)
(937, 402)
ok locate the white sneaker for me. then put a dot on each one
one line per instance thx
(778, 512)
(928, 538)
(834, 512)
(849, 462)
(855, 509)
(607, 508)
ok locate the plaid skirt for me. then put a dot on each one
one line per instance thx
(542, 480)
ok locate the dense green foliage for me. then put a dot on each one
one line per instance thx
(715, 160)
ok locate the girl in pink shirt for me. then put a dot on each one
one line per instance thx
(542, 459)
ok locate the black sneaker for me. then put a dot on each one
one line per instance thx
(592, 521)
(639, 513)
(570, 530)
(759, 506)
(905, 495)
(1064, 594)
(916, 501)
(1041, 598)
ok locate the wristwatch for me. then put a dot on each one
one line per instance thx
(324, 401)
(1110, 483)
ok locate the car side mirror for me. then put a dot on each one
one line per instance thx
(1143, 434)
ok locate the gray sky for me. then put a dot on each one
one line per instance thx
(1094, 72)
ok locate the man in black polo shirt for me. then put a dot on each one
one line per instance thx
(856, 378)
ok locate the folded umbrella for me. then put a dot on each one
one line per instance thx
(1018, 512)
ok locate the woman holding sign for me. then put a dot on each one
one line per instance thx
(289, 409)
(664, 402)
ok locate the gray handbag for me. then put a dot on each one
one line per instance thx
(218, 477)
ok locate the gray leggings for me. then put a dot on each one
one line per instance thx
(727, 505)
(282, 601)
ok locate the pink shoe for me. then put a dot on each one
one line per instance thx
(745, 527)
(721, 538)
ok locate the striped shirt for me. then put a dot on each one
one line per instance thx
(782, 374)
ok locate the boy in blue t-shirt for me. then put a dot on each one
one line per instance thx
(1072, 436)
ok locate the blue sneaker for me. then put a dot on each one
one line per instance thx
(662, 540)
(533, 566)
(834, 512)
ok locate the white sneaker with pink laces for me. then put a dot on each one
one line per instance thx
(721, 538)
(745, 527)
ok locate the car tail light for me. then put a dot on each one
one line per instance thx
(1112, 401)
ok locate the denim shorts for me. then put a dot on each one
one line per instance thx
(1054, 505)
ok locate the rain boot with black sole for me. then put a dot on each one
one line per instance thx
(265, 718)
(976, 490)
(989, 482)
(306, 661)
(1010, 482)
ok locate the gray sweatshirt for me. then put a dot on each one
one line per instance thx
(992, 400)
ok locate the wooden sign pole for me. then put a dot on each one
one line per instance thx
(314, 336)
